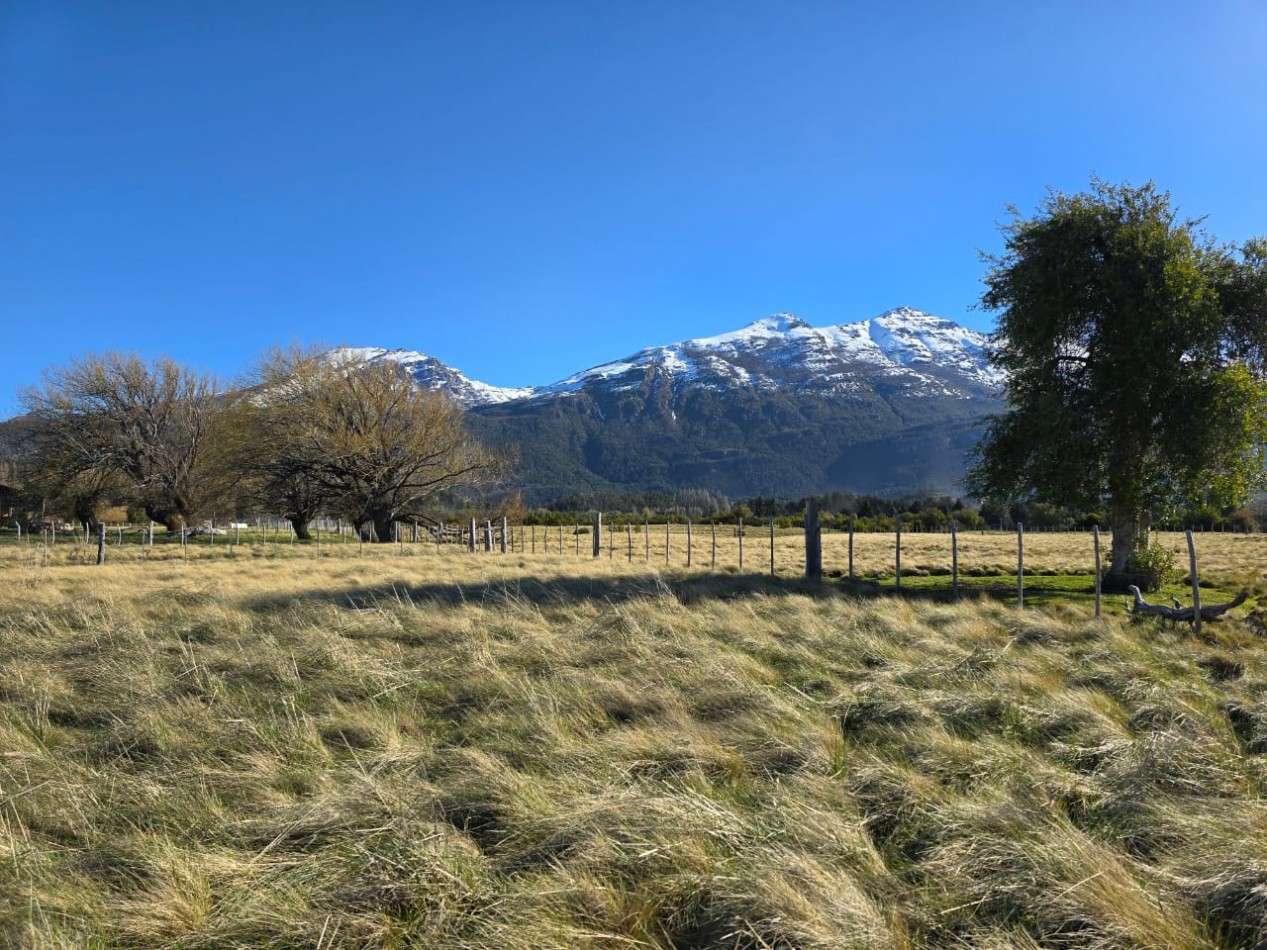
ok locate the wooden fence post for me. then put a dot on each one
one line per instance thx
(851, 527)
(897, 572)
(741, 543)
(1095, 534)
(629, 541)
(713, 564)
(688, 542)
(471, 540)
(772, 545)
(611, 541)
(505, 525)
(1196, 585)
(813, 542)
(646, 539)
(101, 543)
(954, 560)
(668, 525)
(1020, 565)
(598, 534)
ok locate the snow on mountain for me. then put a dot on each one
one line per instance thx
(922, 354)
(926, 353)
(431, 374)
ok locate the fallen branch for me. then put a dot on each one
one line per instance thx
(1143, 608)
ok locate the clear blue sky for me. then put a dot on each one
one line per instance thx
(526, 189)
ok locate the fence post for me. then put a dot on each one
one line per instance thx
(1020, 565)
(646, 539)
(629, 541)
(897, 571)
(1196, 586)
(741, 542)
(813, 542)
(713, 565)
(772, 545)
(1095, 534)
(488, 536)
(503, 534)
(598, 534)
(851, 526)
(471, 537)
(611, 541)
(954, 559)
(688, 542)
(101, 542)
(668, 525)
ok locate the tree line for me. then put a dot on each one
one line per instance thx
(302, 435)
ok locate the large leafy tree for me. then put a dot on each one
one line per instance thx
(1134, 348)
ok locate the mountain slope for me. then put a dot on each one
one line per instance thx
(776, 408)
(431, 374)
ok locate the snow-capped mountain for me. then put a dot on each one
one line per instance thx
(904, 347)
(779, 407)
(431, 374)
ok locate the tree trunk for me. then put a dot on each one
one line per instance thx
(1125, 539)
(168, 518)
(300, 524)
(383, 522)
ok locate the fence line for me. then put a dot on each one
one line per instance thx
(679, 544)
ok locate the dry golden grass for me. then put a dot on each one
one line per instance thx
(529, 751)
(1231, 558)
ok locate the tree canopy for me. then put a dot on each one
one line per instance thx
(116, 424)
(360, 439)
(1134, 348)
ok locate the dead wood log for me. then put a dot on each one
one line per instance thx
(1143, 608)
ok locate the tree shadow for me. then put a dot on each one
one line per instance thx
(566, 591)
(541, 591)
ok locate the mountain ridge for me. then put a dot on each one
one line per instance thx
(908, 346)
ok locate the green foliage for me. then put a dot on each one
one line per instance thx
(1152, 566)
(1133, 349)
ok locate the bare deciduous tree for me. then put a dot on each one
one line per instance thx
(117, 420)
(362, 438)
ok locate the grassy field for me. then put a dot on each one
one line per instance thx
(276, 749)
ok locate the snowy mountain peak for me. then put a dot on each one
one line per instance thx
(778, 323)
(905, 347)
(429, 373)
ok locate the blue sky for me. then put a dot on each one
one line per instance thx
(527, 189)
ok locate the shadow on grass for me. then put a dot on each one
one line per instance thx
(567, 590)
(563, 591)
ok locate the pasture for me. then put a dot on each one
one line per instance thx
(405, 747)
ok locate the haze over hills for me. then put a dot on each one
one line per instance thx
(778, 407)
